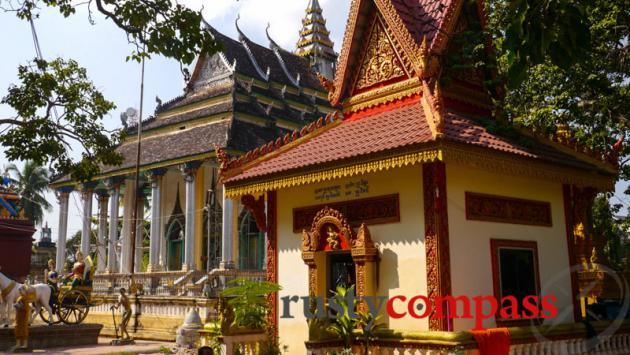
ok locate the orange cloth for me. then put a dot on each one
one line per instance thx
(493, 341)
(22, 315)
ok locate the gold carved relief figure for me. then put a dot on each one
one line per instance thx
(380, 62)
(332, 238)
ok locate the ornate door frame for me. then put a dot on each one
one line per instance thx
(363, 250)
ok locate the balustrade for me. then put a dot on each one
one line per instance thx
(174, 283)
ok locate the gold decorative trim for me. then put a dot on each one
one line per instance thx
(450, 153)
(448, 24)
(509, 164)
(387, 163)
(342, 67)
(380, 61)
(386, 94)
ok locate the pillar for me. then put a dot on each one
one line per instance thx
(86, 232)
(112, 256)
(228, 228)
(125, 252)
(138, 252)
(156, 219)
(63, 196)
(101, 249)
(189, 170)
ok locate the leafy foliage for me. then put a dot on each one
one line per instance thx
(248, 298)
(43, 134)
(610, 229)
(57, 105)
(565, 62)
(32, 183)
(344, 324)
(161, 27)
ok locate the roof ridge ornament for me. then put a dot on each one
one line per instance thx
(314, 41)
(243, 39)
(276, 50)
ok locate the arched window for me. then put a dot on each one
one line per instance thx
(251, 242)
(175, 245)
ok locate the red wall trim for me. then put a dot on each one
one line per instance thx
(272, 255)
(569, 223)
(436, 238)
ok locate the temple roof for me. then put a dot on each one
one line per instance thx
(390, 131)
(314, 36)
(395, 113)
(236, 99)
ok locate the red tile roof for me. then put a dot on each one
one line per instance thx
(460, 129)
(352, 138)
(397, 128)
(422, 17)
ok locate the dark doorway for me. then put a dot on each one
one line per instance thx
(341, 271)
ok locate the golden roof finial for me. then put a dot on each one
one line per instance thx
(424, 53)
(438, 106)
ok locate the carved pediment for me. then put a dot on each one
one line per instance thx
(381, 63)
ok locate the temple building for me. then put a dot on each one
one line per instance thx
(410, 189)
(237, 99)
(43, 251)
(315, 43)
(16, 232)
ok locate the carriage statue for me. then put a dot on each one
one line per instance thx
(71, 303)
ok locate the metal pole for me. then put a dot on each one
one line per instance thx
(137, 178)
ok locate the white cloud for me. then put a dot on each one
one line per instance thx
(284, 16)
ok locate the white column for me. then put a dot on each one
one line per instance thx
(156, 222)
(228, 230)
(125, 252)
(63, 197)
(189, 233)
(114, 193)
(137, 265)
(101, 249)
(87, 219)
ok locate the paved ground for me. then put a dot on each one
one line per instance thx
(103, 348)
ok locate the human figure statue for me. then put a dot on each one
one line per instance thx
(123, 301)
(22, 317)
(78, 271)
(52, 279)
(333, 238)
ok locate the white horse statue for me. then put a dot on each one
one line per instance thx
(10, 293)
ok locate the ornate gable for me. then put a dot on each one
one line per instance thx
(381, 62)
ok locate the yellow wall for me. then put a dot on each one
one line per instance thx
(470, 240)
(401, 247)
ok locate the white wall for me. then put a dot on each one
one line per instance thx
(401, 246)
(470, 240)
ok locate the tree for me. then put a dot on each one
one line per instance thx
(56, 105)
(608, 227)
(32, 182)
(55, 102)
(542, 76)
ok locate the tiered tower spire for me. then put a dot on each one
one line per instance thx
(315, 42)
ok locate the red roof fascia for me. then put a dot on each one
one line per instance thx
(383, 108)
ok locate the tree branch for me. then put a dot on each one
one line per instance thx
(129, 29)
(12, 121)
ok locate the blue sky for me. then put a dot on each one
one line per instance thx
(102, 48)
